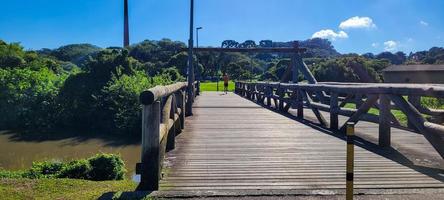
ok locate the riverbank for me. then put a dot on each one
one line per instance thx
(16, 189)
(20, 149)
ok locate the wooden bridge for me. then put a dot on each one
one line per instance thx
(289, 137)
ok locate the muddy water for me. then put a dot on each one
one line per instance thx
(18, 151)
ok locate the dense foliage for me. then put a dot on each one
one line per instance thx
(75, 53)
(98, 168)
(38, 92)
(84, 87)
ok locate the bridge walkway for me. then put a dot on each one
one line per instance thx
(231, 143)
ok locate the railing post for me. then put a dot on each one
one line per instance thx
(198, 88)
(384, 121)
(189, 100)
(358, 100)
(171, 139)
(281, 95)
(149, 167)
(235, 88)
(334, 109)
(269, 92)
(181, 105)
(300, 104)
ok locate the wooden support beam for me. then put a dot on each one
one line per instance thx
(346, 100)
(392, 117)
(358, 100)
(433, 135)
(334, 110)
(294, 69)
(384, 121)
(365, 107)
(303, 68)
(318, 114)
(414, 101)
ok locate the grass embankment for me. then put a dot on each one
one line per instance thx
(60, 188)
(212, 86)
(67, 180)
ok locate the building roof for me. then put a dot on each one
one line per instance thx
(400, 68)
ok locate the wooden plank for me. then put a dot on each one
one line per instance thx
(233, 143)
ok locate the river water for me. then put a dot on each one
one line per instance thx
(18, 151)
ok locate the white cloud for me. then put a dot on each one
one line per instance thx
(375, 44)
(423, 23)
(391, 45)
(329, 34)
(357, 22)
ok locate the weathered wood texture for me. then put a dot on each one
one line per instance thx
(231, 143)
(366, 96)
(163, 117)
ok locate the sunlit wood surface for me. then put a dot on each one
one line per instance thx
(232, 143)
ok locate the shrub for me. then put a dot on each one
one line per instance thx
(77, 169)
(98, 168)
(27, 98)
(46, 169)
(106, 167)
(119, 102)
(11, 174)
(436, 103)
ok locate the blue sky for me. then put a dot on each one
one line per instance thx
(353, 26)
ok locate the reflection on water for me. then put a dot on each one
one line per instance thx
(18, 152)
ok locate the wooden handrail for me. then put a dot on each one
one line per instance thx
(428, 90)
(163, 118)
(382, 96)
(155, 93)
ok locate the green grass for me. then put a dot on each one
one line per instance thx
(212, 86)
(399, 115)
(60, 188)
(428, 102)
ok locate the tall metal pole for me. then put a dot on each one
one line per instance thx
(197, 46)
(190, 100)
(125, 25)
(197, 36)
(199, 72)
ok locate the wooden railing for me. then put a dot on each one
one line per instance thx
(163, 117)
(332, 97)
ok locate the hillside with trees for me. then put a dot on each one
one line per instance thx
(85, 87)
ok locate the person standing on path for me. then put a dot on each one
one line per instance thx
(226, 80)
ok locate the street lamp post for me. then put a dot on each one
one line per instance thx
(197, 36)
(199, 74)
(189, 105)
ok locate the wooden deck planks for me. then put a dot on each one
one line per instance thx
(232, 143)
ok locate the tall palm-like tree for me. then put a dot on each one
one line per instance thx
(125, 25)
